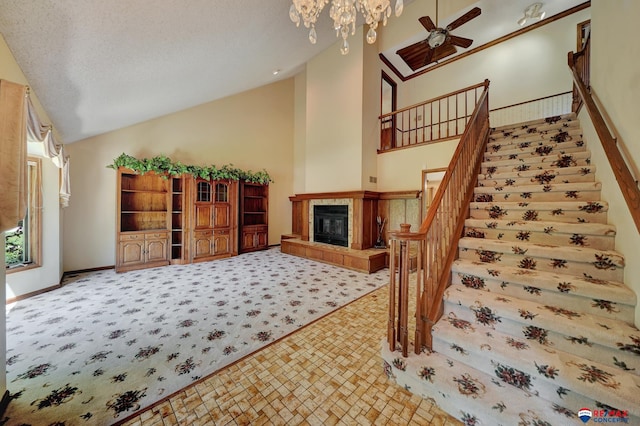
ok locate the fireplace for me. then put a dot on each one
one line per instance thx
(331, 224)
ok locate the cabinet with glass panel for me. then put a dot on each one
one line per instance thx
(214, 219)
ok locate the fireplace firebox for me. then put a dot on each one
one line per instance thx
(331, 225)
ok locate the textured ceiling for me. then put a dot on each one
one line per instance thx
(99, 65)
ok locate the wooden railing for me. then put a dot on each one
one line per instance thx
(441, 118)
(624, 177)
(581, 61)
(436, 242)
(547, 106)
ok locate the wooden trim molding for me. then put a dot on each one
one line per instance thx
(328, 195)
(480, 48)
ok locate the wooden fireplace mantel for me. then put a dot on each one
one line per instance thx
(365, 210)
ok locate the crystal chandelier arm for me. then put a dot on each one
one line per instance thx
(344, 15)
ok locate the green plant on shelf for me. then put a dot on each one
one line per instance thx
(165, 167)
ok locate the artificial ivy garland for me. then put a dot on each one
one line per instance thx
(163, 165)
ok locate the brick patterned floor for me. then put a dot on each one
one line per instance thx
(328, 373)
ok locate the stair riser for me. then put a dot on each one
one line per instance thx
(543, 296)
(538, 263)
(599, 242)
(539, 125)
(543, 337)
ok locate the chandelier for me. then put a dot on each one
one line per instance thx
(344, 14)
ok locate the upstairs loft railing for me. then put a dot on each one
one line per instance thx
(441, 118)
(578, 63)
(548, 106)
(436, 243)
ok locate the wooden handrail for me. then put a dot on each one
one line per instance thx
(621, 171)
(438, 236)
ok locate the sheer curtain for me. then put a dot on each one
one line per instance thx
(37, 131)
(13, 154)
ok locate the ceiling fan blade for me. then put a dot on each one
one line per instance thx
(428, 58)
(443, 51)
(413, 55)
(473, 13)
(460, 41)
(427, 23)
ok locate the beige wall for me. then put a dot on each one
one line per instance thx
(615, 79)
(252, 130)
(333, 140)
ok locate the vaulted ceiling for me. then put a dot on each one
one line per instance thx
(97, 66)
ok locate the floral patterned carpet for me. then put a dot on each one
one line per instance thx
(106, 345)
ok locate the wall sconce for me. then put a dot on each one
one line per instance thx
(533, 11)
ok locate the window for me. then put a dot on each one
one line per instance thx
(23, 247)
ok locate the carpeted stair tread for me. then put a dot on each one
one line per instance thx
(589, 229)
(583, 191)
(469, 394)
(517, 177)
(556, 234)
(492, 351)
(607, 299)
(498, 141)
(554, 159)
(601, 264)
(558, 211)
(559, 285)
(551, 122)
(514, 313)
(532, 149)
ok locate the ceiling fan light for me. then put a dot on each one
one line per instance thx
(436, 38)
(522, 21)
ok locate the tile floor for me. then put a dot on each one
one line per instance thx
(328, 373)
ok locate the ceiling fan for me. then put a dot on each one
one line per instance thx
(439, 44)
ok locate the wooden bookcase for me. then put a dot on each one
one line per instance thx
(173, 219)
(142, 221)
(254, 212)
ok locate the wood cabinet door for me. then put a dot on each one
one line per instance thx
(262, 239)
(156, 249)
(222, 215)
(248, 239)
(131, 252)
(203, 216)
(222, 243)
(202, 244)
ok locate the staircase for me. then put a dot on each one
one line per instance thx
(537, 323)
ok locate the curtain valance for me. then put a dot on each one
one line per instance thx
(37, 131)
